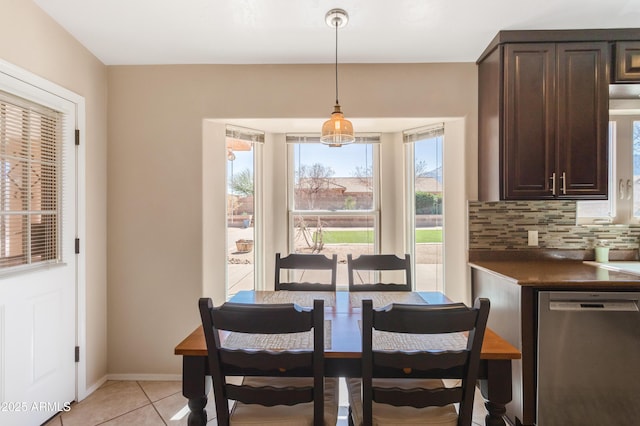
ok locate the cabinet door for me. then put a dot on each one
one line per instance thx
(583, 115)
(627, 62)
(529, 121)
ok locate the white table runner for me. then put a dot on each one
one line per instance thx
(384, 298)
(301, 298)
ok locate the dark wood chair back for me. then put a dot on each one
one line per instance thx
(302, 262)
(375, 263)
(441, 363)
(264, 319)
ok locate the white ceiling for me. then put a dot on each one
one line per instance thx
(122, 32)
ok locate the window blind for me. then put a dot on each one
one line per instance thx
(30, 182)
(315, 138)
(421, 133)
(244, 134)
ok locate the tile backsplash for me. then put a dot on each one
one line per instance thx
(504, 225)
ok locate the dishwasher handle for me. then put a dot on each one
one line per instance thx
(594, 305)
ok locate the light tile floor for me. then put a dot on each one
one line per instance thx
(160, 403)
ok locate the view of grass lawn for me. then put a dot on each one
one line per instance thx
(347, 237)
(366, 237)
(428, 235)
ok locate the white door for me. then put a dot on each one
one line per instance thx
(38, 303)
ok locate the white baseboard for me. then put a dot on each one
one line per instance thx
(147, 377)
(91, 389)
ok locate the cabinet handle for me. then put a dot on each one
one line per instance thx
(629, 189)
(564, 183)
(553, 183)
(621, 189)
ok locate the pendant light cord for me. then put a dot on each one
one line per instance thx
(336, 24)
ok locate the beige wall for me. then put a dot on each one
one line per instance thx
(31, 40)
(155, 169)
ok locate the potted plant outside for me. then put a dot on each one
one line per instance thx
(244, 246)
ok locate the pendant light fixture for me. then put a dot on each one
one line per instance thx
(337, 131)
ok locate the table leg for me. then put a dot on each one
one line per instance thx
(195, 387)
(496, 390)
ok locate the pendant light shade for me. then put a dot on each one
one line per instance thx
(337, 131)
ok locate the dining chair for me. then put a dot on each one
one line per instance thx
(366, 267)
(278, 386)
(402, 373)
(304, 264)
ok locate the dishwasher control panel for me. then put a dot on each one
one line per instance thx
(596, 305)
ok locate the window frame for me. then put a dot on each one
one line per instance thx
(257, 140)
(612, 217)
(410, 138)
(27, 106)
(374, 212)
(621, 179)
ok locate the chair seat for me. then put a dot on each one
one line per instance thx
(296, 415)
(388, 415)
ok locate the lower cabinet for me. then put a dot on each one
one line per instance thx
(512, 316)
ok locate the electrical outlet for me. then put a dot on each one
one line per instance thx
(533, 238)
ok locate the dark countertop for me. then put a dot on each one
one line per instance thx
(557, 273)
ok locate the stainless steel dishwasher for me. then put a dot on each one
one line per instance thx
(588, 359)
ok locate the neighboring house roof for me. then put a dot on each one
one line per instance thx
(359, 185)
(352, 184)
(345, 184)
(428, 184)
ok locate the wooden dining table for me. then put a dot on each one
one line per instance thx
(344, 349)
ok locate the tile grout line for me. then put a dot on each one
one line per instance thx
(143, 391)
(131, 411)
(153, 403)
(124, 414)
(150, 402)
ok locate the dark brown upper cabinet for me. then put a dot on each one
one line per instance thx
(543, 120)
(627, 63)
